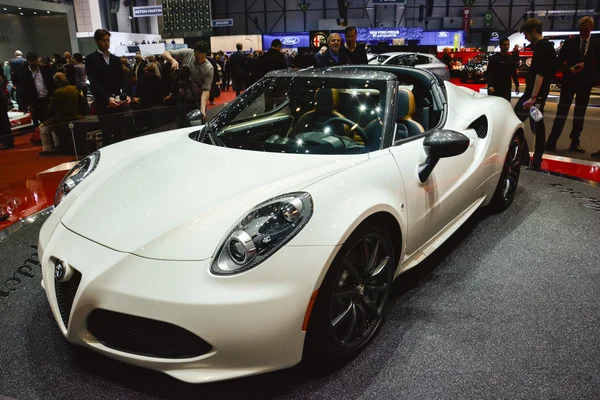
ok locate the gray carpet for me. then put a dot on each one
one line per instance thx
(509, 308)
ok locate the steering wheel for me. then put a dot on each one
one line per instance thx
(353, 126)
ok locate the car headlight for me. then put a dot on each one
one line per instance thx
(77, 174)
(261, 232)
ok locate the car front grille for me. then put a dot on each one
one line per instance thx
(65, 294)
(143, 336)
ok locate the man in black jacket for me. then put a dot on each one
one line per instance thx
(333, 56)
(501, 68)
(273, 59)
(356, 51)
(237, 66)
(539, 77)
(36, 88)
(107, 80)
(579, 60)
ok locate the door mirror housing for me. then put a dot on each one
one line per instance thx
(441, 143)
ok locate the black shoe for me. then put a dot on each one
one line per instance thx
(576, 147)
(5, 147)
(550, 146)
(596, 154)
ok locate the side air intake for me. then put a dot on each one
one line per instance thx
(481, 126)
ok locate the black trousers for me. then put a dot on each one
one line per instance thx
(503, 93)
(581, 92)
(538, 128)
(238, 84)
(40, 107)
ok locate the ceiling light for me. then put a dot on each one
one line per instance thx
(21, 13)
(20, 8)
(48, 12)
(35, 13)
(5, 9)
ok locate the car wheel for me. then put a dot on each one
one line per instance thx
(353, 297)
(509, 178)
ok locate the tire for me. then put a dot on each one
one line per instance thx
(509, 177)
(350, 306)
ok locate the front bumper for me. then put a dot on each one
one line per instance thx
(253, 321)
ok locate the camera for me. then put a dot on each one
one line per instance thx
(182, 74)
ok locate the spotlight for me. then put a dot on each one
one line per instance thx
(48, 12)
(21, 13)
(35, 13)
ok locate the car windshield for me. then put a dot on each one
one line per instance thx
(379, 60)
(304, 115)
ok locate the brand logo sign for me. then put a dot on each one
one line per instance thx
(319, 39)
(216, 23)
(147, 11)
(443, 34)
(290, 40)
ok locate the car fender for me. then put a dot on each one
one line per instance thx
(344, 201)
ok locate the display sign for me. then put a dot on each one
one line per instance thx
(218, 23)
(466, 19)
(318, 38)
(488, 19)
(288, 40)
(457, 37)
(441, 38)
(494, 37)
(374, 35)
(147, 11)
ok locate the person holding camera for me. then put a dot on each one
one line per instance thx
(107, 80)
(201, 72)
(579, 61)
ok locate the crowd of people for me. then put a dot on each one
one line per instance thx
(578, 59)
(55, 89)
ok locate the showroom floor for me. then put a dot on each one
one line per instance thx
(508, 308)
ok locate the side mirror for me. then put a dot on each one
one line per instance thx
(194, 118)
(441, 143)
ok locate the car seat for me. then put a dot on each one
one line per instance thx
(325, 108)
(405, 110)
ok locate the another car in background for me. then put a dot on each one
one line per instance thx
(418, 60)
(476, 69)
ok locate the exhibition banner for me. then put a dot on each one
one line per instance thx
(147, 11)
(466, 19)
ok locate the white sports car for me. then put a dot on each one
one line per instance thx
(419, 60)
(276, 230)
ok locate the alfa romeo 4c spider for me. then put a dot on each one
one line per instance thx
(276, 229)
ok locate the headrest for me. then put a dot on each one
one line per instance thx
(326, 100)
(406, 104)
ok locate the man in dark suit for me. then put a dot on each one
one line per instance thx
(140, 65)
(36, 88)
(273, 59)
(16, 69)
(501, 68)
(356, 51)
(237, 66)
(333, 56)
(107, 80)
(579, 60)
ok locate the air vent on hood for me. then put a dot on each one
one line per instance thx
(481, 126)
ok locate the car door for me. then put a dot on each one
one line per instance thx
(446, 194)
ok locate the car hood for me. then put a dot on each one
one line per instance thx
(175, 198)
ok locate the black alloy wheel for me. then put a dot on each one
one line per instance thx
(353, 297)
(509, 178)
